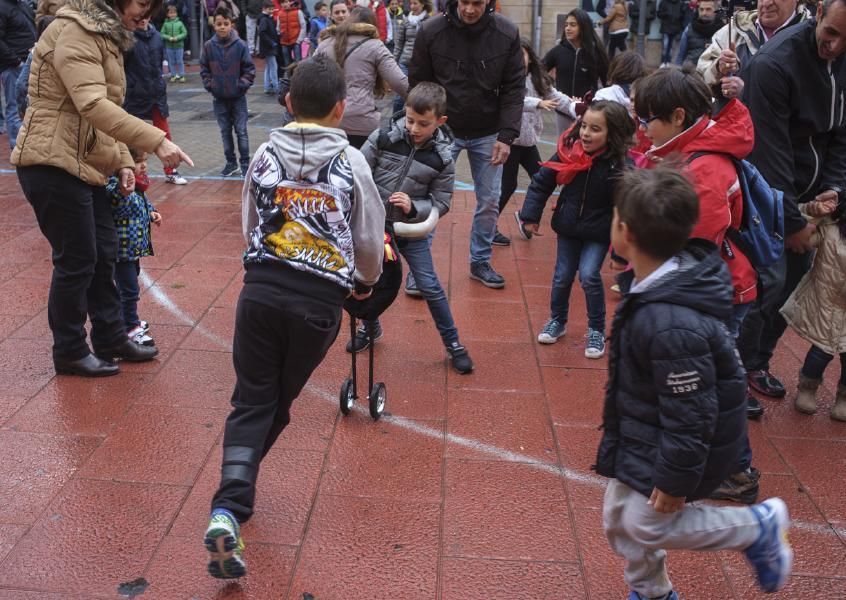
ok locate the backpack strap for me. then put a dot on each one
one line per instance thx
(355, 47)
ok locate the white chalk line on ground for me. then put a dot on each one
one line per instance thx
(500, 453)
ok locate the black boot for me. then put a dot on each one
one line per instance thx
(87, 366)
(128, 351)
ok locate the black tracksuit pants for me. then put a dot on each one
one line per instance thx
(280, 338)
(76, 218)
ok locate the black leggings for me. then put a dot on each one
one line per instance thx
(618, 42)
(817, 360)
(526, 156)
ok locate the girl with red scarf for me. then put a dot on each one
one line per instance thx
(591, 157)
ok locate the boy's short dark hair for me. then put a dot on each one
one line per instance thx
(137, 154)
(267, 4)
(660, 208)
(665, 90)
(222, 11)
(426, 96)
(317, 85)
(318, 6)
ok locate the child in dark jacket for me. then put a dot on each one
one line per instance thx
(228, 72)
(588, 163)
(414, 170)
(132, 213)
(268, 46)
(674, 418)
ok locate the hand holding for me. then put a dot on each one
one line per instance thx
(402, 200)
(732, 87)
(547, 104)
(727, 62)
(664, 503)
(800, 242)
(127, 181)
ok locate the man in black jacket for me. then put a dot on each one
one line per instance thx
(17, 36)
(796, 92)
(475, 54)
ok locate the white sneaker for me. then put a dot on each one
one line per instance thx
(139, 336)
(176, 179)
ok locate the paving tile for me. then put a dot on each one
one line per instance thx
(27, 366)
(383, 460)
(145, 444)
(468, 579)
(193, 301)
(34, 469)
(507, 511)
(369, 548)
(9, 536)
(35, 328)
(814, 463)
(10, 323)
(578, 452)
(575, 396)
(95, 536)
(569, 350)
(168, 338)
(9, 405)
(79, 405)
(178, 571)
(23, 296)
(504, 422)
(193, 378)
(492, 322)
(489, 373)
(191, 270)
(214, 331)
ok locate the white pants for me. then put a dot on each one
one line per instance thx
(640, 534)
(251, 33)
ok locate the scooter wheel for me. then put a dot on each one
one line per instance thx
(378, 397)
(347, 398)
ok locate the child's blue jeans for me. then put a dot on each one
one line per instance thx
(271, 74)
(175, 64)
(126, 280)
(418, 255)
(586, 258)
(231, 113)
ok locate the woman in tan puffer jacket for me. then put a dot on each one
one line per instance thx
(618, 27)
(817, 308)
(74, 136)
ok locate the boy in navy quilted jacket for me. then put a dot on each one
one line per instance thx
(227, 70)
(674, 419)
(132, 213)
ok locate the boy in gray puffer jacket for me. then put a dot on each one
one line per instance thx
(414, 171)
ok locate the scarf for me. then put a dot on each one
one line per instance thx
(572, 160)
(142, 182)
(707, 29)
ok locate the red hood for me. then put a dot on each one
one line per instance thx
(729, 132)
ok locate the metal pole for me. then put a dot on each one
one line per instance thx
(641, 29)
(537, 25)
(194, 31)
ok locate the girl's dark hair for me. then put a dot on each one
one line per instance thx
(665, 90)
(621, 128)
(121, 5)
(540, 78)
(592, 46)
(626, 67)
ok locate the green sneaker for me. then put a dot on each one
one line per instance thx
(225, 546)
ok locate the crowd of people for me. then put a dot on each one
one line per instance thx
(682, 174)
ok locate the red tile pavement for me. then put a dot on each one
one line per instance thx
(471, 487)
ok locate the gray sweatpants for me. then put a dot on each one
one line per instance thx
(641, 535)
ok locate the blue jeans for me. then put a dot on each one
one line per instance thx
(487, 180)
(418, 255)
(399, 103)
(290, 53)
(586, 258)
(175, 64)
(232, 113)
(739, 313)
(9, 80)
(126, 280)
(271, 74)
(667, 40)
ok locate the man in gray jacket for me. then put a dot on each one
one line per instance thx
(475, 55)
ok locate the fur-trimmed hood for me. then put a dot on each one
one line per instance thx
(97, 16)
(362, 29)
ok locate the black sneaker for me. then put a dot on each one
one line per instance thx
(484, 272)
(754, 410)
(411, 286)
(741, 487)
(459, 358)
(524, 233)
(500, 240)
(230, 170)
(361, 341)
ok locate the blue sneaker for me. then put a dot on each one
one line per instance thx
(633, 595)
(225, 546)
(553, 330)
(771, 554)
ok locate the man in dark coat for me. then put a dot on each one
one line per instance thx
(671, 13)
(17, 36)
(475, 54)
